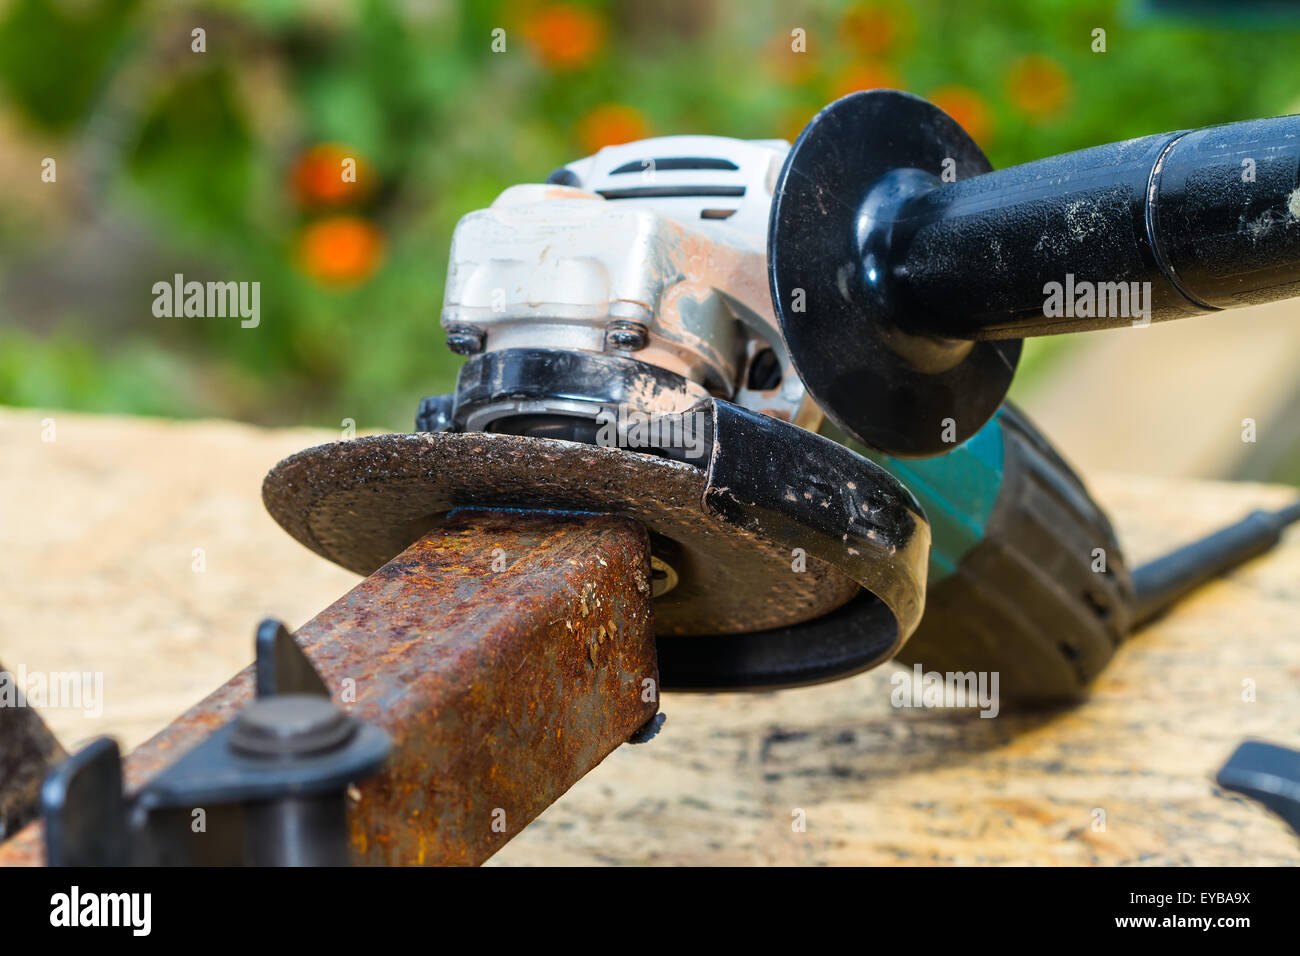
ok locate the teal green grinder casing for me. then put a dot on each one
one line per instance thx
(1026, 574)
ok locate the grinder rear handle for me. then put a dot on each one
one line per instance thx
(904, 271)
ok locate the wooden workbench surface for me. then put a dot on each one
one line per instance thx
(103, 530)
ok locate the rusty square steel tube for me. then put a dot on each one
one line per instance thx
(507, 653)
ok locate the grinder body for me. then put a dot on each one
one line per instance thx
(635, 279)
(1027, 577)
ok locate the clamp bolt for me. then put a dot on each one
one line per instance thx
(625, 335)
(465, 339)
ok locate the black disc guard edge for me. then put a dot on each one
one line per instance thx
(802, 494)
(803, 490)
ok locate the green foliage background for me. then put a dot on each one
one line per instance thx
(174, 161)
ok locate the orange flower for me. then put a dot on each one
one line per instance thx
(1038, 86)
(783, 62)
(564, 37)
(968, 108)
(609, 125)
(871, 28)
(865, 75)
(793, 122)
(321, 178)
(342, 250)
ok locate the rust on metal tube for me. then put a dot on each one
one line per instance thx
(507, 653)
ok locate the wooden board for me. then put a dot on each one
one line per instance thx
(98, 534)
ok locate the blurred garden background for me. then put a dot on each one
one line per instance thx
(223, 164)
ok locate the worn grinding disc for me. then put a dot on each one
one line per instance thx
(361, 502)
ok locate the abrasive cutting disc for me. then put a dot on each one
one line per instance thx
(361, 502)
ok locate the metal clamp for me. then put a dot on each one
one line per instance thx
(267, 789)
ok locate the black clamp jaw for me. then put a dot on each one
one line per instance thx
(267, 789)
(1267, 773)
